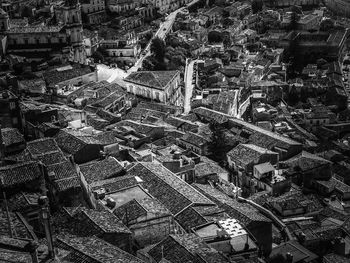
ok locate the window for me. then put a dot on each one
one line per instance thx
(14, 120)
(12, 105)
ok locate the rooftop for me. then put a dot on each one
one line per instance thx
(172, 191)
(11, 136)
(21, 173)
(153, 79)
(100, 170)
(96, 249)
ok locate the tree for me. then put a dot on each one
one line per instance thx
(218, 146)
(214, 37)
(97, 56)
(158, 48)
(27, 11)
(257, 6)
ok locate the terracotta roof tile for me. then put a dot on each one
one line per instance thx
(21, 173)
(96, 249)
(152, 79)
(11, 136)
(101, 170)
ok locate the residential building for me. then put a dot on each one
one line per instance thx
(124, 49)
(148, 219)
(93, 11)
(341, 7)
(161, 86)
(38, 41)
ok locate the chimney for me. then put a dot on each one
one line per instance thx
(289, 257)
(45, 216)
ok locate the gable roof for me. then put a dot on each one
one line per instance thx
(106, 221)
(243, 212)
(306, 161)
(247, 153)
(142, 207)
(21, 173)
(115, 184)
(185, 248)
(41, 146)
(70, 142)
(100, 170)
(169, 189)
(11, 136)
(152, 79)
(96, 249)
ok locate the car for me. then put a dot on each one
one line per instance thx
(164, 29)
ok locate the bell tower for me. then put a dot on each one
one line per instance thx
(4, 21)
(69, 15)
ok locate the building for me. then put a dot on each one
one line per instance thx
(162, 86)
(123, 48)
(10, 115)
(93, 11)
(37, 41)
(287, 3)
(148, 219)
(328, 45)
(341, 7)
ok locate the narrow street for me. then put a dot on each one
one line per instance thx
(188, 78)
(117, 75)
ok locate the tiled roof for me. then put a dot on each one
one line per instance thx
(247, 153)
(11, 136)
(208, 167)
(152, 79)
(335, 258)
(19, 227)
(69, 142)
(147, 207)
(101, 170)
(22, 200)
(189, 218)
(185, 248)
(194, 139)
(106, 221)
(55, 76)
(21, 173)
(67, 183)
(61, 170)
(169, 189)
(96, 249)
(211, 115)
(115, 184)
(300, 253)
(51, 157)
(244, 213)
(110, 98)
(42, 146)
(306, 161)
(35, 29)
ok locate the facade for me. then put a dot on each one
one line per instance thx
(36, 42)
(93, 11)
(124, 49)
(162, 86)
(341, 7)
